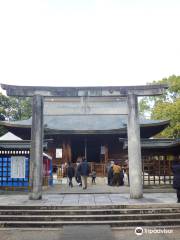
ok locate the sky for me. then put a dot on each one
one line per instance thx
(88, 42)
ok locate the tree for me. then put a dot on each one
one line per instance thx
(166, 106)
(14, 108)
(168, 110)
(4, 104)
(20, 108)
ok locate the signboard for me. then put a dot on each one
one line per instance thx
(18, 164)
(103, 150)
(58, 152)
(84, 105)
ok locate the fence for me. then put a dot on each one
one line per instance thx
(100, 169)
(157, 170)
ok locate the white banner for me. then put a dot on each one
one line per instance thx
(103, 150)
(58, 152)
(18, 167)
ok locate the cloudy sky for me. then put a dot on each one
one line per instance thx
(88, 42)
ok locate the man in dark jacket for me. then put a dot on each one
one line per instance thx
(110, 175)
(84, 171)
(70, 173)
(78, 174)
(176, 181)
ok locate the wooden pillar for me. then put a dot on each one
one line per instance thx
(134, 149)
(64, 152)
(85, 148)
(36, 154)
(106, 153)
(69, 157)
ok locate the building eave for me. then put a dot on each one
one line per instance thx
(154, 143)
(88, 125)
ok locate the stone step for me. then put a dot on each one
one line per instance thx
(76, 207)
(87, 217)
(112, 223)
(87, 211)
(114, 215)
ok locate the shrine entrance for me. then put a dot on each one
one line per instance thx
(84, 104)
(88, 147)
(93, 151)
(77, 149)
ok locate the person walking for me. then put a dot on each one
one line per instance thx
(84, 171)
(176, 180)
(70, 173)
(78, 174)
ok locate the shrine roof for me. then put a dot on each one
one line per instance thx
(155, 143)
(77, 124)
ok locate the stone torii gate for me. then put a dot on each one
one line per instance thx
(134, 148)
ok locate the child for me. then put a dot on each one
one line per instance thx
(93, 175)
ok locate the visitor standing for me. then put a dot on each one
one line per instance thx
(110, 173)
(116, 174)
(78, 174)
(70, 173)
(93, 175)
(176, 180)
(121, 177)
(84, 171)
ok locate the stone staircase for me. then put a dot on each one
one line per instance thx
(157, 215)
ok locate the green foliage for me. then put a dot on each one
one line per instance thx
(12, 108)
(165, 107)
(20, 108)
(173, 92)
(168, 110)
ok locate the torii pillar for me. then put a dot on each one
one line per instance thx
(36, 154)
(134, 149)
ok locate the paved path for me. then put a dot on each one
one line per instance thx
(87, 233)
(129, 234)
(34, 234)
(100, 187)
(117, 234)
(87, 199)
